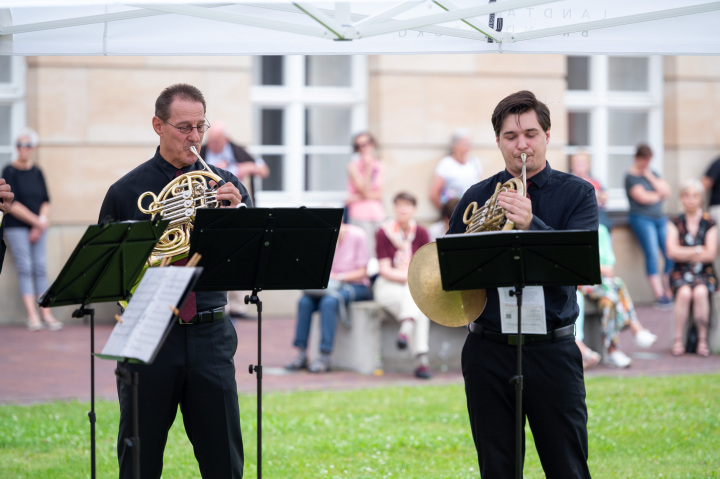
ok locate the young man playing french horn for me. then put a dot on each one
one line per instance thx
(554, 389)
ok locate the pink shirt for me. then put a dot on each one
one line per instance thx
(367, 210)
(352, 252)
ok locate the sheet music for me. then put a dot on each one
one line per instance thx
(533, 311)
(148, 314)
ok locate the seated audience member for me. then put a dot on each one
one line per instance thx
(590, 358)
(439, 228)
(348, 282)
(396, 242)
(692, 244)
(618, 310)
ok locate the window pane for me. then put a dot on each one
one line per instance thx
(328, 70)
(579, 128)
(327, 126)
(628, 74)
(5, 121)
(325, 172)
(271, 129)
(268, 70)
(578, 71)
(618, 166)
(274, 181)
(627, 128)
(5, 68)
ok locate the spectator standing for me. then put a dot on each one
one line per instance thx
(220, 151)
(365, 187)
(711, 182)
(397, 240)
(692, 244)
(26, 227)
(456, 172)
(348, 282)
(646, 192)
(580, 166)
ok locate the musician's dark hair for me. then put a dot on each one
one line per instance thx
(405, 196)
(517, 104)
(358, 135)
(643, 151)
(169, 94)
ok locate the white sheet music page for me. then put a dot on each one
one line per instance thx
(148, 313)
(533, 310)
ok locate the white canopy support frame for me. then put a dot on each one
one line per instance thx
(201, 27)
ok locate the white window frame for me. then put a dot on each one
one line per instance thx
(13, 94)
(598, 100)
(294, 97)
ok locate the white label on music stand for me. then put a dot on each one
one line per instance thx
(533, 310)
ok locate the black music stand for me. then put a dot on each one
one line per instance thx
(103, 267)
(518, 259)
(264, 248)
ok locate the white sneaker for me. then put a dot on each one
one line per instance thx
(644, 339)
(617, 359)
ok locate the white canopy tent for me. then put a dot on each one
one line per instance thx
(200, 27)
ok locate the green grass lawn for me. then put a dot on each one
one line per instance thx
(661, 427)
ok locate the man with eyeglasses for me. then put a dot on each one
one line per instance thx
(194, 369)
(6, 197)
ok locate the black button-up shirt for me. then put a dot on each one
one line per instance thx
(121, 200)
(560, 201)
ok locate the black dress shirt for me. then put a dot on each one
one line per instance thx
(120, 204)
(560, 201)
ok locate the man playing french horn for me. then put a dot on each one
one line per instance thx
(194, 369)
(554, 389)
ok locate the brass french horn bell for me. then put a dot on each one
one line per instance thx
(458, 308)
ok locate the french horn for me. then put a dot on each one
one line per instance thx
(459, 308)
(178, 202)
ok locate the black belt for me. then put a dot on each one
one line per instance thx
(206, 316)
(512, 339)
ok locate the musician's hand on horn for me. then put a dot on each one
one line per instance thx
(6, 196)
(519, 209)
(227, 192)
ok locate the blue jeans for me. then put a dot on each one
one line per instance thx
(328, 306)
(29, 260)
(651, 233)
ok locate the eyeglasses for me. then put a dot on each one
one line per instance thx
(24, 145)
(186, 129)
(363, 144)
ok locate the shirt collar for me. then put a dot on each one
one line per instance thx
(167, 169)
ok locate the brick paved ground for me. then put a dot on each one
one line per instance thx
(45, 366)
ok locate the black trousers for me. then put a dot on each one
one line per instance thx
(553, 404)
(193, 370)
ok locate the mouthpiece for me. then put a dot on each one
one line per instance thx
(202, 162)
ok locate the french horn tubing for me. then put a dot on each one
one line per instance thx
(459, 308)
(178, 202)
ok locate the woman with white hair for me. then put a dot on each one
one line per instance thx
(456, 172)
(25, 229)
(692, 245)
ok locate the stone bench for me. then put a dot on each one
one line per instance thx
(368, 347)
